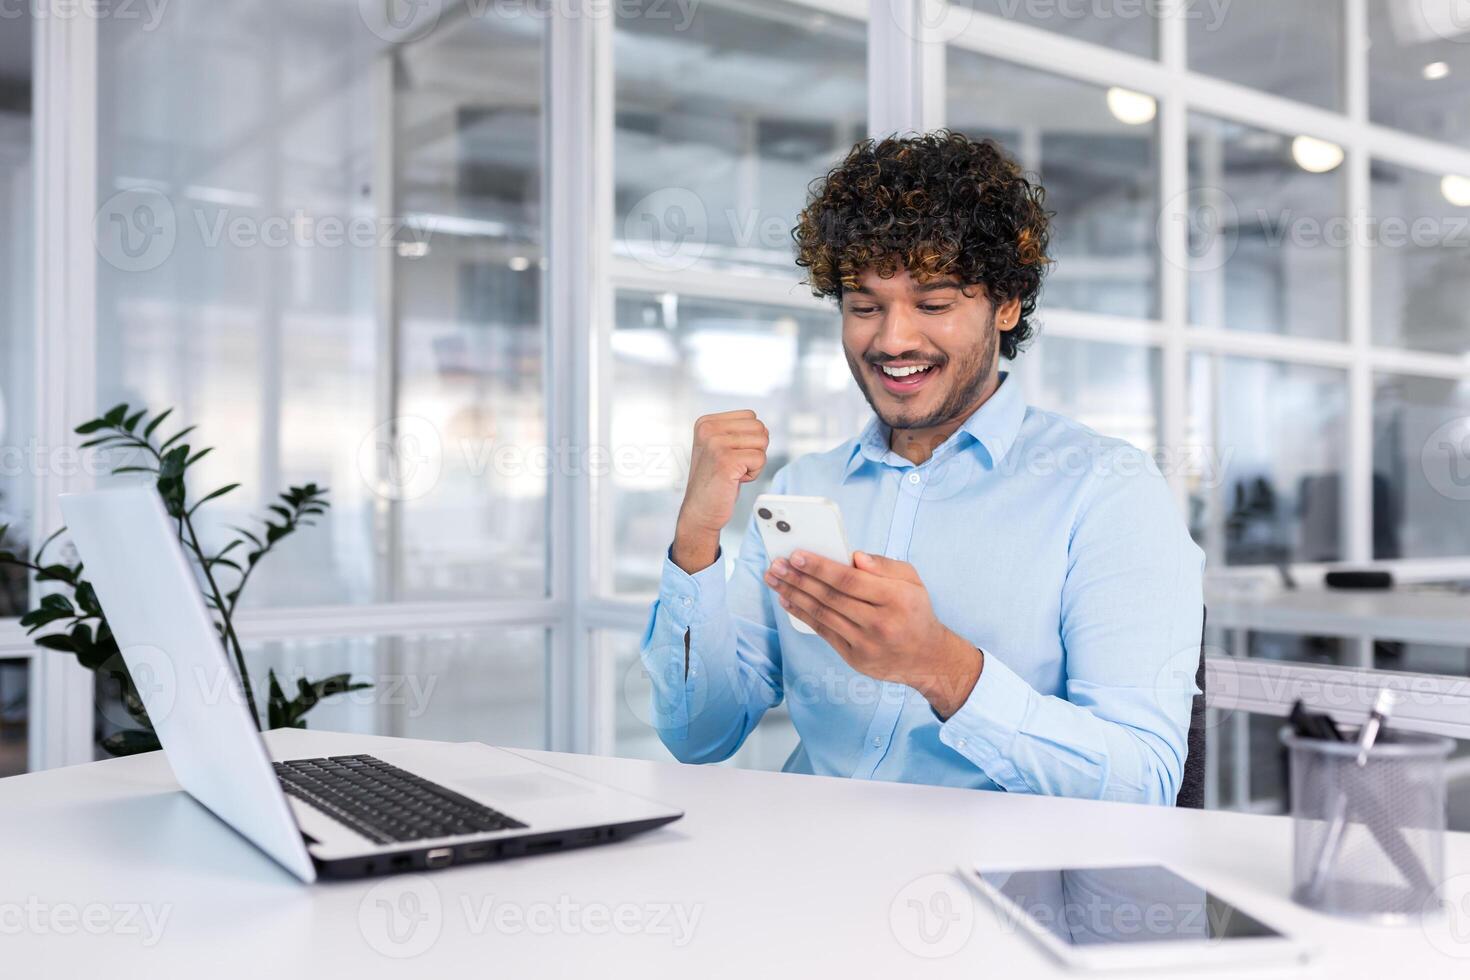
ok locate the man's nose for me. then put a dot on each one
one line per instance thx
(898, 333)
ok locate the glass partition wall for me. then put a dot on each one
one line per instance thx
(21, 455)
(478, 270)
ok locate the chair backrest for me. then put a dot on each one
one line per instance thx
(1192, 786)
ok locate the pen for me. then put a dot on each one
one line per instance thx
(1367, 735)
(1382, 705)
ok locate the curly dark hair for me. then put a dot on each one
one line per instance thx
(934, 204)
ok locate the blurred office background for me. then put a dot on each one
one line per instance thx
(526, 244)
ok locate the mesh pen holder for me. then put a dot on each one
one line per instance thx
(1368, 841)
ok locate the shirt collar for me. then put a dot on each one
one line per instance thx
(993, 426)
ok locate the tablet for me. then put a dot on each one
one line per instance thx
(1133, 917)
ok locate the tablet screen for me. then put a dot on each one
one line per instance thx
(1135, 904)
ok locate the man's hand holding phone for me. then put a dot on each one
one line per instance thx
(876, 614)
(729, 451)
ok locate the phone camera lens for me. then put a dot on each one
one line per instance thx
(765, 514)
(782, 526)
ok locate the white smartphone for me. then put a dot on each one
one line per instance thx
(790, 523)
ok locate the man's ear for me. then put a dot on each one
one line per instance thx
(1008, 314)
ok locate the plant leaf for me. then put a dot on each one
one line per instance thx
(57, 601)
(157, 421)
(176, 437)
(47, 543)
(130, 742)
(213, 494)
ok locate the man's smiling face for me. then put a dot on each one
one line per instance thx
(923, 353)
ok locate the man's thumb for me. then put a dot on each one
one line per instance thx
(886, 567)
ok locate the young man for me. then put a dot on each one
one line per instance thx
(1024, 608)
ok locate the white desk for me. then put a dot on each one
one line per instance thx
(788, 875)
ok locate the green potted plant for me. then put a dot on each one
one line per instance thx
(83, 631)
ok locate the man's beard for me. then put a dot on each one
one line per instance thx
(972, 374)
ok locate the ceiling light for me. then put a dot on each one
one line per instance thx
(1315, 156)
(413, 250)
(1456, 190)
(519, 263)
(1436, 70)
(1131, 108)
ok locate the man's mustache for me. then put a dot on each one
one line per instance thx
(878, 360)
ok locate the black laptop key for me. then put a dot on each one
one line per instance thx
(384, 803)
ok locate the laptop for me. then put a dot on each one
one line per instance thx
(411, 809)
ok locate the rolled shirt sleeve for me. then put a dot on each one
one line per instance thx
(733, 672)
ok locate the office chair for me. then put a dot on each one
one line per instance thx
(1192, 786)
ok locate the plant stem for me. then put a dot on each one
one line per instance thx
(239, 588)
(229, 623)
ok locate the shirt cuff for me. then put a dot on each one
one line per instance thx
(989, 721)
(692, 599)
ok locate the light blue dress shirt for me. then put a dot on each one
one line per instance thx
(1058, 552)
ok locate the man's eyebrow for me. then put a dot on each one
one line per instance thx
(928, 287)
(938, 284)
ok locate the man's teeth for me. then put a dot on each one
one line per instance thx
(904, 372)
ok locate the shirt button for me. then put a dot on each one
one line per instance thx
(877, 741)
(915, 478)
(687, 601)
(960, 744)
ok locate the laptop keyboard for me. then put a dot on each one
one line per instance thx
(384, 803)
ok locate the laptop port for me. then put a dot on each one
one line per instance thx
(401, 862)
(543, 845)
(439, 857)
(476, 852)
